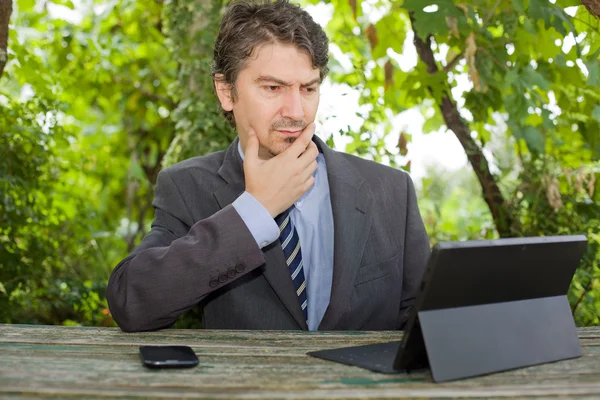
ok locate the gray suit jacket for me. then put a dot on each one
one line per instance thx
(199, 251)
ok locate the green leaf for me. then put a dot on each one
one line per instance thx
(568, 3)
(516, 104)
(67, 3)
(596, 113)
(593, 67)
(539, 10)
(433, 123)
(26, 5)
(560, 19)
(391, 31)
(533, 78)
(519, 6)
(529, 26)
(534, 139)
(544, 42)
(434, 23)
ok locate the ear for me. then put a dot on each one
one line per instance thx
(223, 90)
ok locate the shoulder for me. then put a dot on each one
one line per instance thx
(189, 185)
(195, 177)
(376, 174)
(192, 170)
(208, 164)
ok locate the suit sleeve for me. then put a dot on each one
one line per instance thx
(416, 253)
(176, 266)
(262, 226)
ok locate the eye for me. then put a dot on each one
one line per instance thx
(311, 89)
(272, 88)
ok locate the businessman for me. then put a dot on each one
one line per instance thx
(279, 231)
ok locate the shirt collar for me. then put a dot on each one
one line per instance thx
(241, 152)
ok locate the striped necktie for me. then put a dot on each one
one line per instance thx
(290, 243)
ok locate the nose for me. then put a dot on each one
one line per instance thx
(293, 107)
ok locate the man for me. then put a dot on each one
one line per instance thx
(279, 231)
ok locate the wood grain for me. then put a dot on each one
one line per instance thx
(53, 361)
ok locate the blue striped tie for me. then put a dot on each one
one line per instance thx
(290, 243)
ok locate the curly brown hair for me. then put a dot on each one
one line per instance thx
(248, 24)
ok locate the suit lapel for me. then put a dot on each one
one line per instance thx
(232, 171)
(275, 269)
(351, 207)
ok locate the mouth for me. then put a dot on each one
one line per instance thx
(290, 132)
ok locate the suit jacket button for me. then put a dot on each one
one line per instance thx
(223, 278)
(239, 268)
(231, 273)
(213, 283)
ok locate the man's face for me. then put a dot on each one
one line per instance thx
(277, 95)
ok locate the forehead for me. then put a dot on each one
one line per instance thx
(284, 62)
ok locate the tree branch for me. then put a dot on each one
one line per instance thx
(583, 293)
(491, 191)
(5, 12)
(458, 57)
(453, 62)
(158, 99)
(595, 28)
(491, 13)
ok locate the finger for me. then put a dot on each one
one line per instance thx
(308, 184)
(309, 155)
(302, 141)
(311, 150)
(309, 171)
(252, 146)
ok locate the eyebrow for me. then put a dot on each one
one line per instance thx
(268, 78)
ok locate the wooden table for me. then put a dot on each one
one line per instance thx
(53, 361)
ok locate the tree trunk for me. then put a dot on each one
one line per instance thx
(192, 26)
(490, 189)
(5, 11)
(593, 6)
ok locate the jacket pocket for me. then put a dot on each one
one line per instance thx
(377, 270)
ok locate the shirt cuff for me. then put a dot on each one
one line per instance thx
(261, 225)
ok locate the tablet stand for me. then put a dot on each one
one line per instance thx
(475, 340)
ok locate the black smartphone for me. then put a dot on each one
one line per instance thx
(168, 356)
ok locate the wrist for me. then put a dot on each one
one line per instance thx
(267, 206)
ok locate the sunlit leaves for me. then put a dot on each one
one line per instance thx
(593, 66)
(430, 16)
(534, 75)
(191, 27)
(110, 94)
(106, 81)
(391, 32)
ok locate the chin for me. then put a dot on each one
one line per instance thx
(280, 146)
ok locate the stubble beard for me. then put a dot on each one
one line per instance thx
(276, 145)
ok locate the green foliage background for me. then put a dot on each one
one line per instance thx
(91, 109)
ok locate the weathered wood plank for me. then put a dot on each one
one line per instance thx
(127, 361)
(373, 392)
(114, 336)
(100, 362)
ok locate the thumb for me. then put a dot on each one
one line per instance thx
(252, 145)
